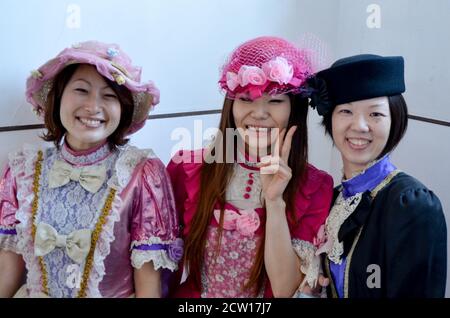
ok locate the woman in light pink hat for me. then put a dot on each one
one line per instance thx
(251, 210)
(92, 216)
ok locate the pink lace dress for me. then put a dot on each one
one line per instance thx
(224, 274)
(130, 219)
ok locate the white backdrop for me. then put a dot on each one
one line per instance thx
(181, 45)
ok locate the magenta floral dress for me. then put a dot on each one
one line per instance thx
(226, 273)
(84, 239)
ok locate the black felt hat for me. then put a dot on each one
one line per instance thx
(356, 78)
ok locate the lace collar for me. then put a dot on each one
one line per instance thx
(85, 157)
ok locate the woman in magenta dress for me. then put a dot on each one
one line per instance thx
(92, 216)
(250, 209)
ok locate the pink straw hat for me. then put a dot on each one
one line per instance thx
(111, 62)
(265, 65)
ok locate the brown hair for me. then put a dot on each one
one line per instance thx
(52, 118)
(215, 178)
(399, 123)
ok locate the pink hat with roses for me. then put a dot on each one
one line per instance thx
(265, 65)
(111, 62)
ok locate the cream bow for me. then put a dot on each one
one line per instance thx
(77, 243)
(90, 177)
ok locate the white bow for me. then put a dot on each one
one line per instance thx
(77, 243)
(90, 177)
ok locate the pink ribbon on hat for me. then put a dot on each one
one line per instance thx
(246, 222)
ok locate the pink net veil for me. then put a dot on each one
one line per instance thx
(272, 65)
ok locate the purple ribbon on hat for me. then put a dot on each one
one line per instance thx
(174, 249)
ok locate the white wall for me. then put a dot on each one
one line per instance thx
(181, 45)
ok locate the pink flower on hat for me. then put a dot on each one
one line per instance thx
(278, 70)
(251, 75)
(232, 80)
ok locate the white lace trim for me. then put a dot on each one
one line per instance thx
(8, 242)
(340, 211)
(22, 165)
(159, 258)
(310, 262)
(129, 158)
(127, 161)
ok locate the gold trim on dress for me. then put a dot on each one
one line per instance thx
(95, 234)
(34, 209)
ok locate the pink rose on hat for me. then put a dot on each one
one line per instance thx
(251, 75)
(232, 80)
(278, 70)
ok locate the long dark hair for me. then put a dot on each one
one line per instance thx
(215, 177)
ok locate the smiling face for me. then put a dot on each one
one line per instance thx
(360, 132)
(90, 109)
(256, 119)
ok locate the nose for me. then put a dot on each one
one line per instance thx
(93, 103)
(360, 124)
(259, 111)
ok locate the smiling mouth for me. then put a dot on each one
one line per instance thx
(258, 129)
(91, 122)
(358, 143)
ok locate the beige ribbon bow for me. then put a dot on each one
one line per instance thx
(91, 178)
(77, 243)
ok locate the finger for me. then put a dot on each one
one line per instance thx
(279, 142)
(284, 173)
(270, 169)
(286, 148)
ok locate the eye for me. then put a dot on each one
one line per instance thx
(376, 114)
(111, 96)
(245, 99)
(81, 90)
(345, 111)
(276, 101)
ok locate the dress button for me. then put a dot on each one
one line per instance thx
(250, 175)
(248, 189)
(250, 181)
(246, 196)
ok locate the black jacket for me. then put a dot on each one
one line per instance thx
(404, 235)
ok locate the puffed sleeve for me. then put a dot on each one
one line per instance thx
(313, 206)
(416, 234)
(155, 228)
(8, 208)
(178, 178)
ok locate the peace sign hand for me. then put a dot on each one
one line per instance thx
(274, 170)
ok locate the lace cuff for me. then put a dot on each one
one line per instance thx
(8, 239)
(163, 254)
(159, 258)
(310, 262)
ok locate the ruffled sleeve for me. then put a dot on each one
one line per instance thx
(184, 170)
(313, 205)
(416, 234)
(8, 208)
(155, 227)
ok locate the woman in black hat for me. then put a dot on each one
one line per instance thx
(386, 234)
